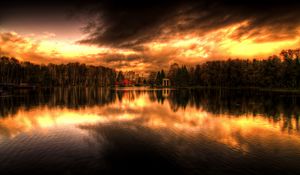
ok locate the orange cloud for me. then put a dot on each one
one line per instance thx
(26, 48)
(45, 49)
(189, 47)
(219, 44)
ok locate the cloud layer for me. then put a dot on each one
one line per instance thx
(133, 23)
(150, 35)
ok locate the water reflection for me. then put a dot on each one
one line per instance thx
(168, 131)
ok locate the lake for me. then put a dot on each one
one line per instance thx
(149, 131)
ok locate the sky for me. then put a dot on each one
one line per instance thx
(147, 35)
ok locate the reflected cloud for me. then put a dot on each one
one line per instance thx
(143, 108)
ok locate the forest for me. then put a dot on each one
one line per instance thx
(278, 71)
(13, 71)
(281, 71)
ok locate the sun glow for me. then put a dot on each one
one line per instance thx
(46, 48)
(218, 44)
(248, 48)
(190, 47)
(67, 49)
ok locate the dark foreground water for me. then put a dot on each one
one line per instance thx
(142, 131)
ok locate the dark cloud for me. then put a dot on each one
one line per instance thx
(131, 23)
(11, 37)
(34, 12)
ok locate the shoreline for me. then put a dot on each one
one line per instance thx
(262, 89)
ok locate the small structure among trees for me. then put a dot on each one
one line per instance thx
(166, 82)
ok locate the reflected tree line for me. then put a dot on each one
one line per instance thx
(68, 97)
(234, 102)
(218, 101)
(277, 106)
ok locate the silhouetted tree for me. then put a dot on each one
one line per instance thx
(152, 78)
(275, 72)
(15, 72)
(120, 77)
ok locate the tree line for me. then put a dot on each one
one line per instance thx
(13, 71)
(281, 71)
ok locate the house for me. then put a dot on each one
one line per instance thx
(124, 82)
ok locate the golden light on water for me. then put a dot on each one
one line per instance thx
(222, 128)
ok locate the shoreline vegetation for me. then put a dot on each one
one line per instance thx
(277, 73)
(279, 90)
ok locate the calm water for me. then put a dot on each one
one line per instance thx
(144, 131)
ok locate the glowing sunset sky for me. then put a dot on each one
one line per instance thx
(147, 35)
